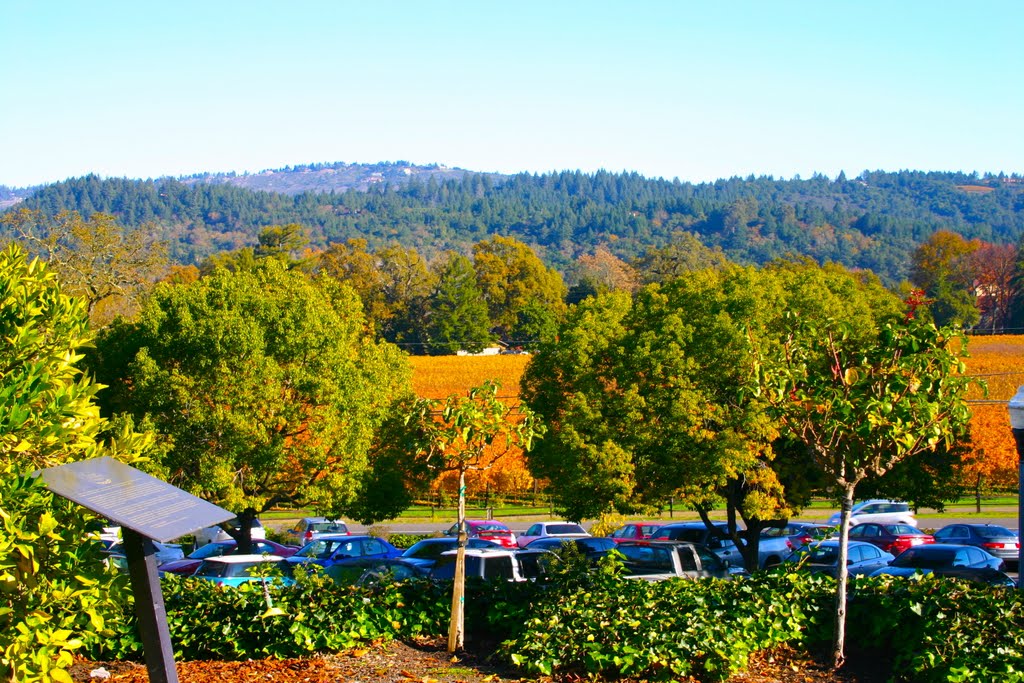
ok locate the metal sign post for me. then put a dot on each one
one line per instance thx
(147, 509)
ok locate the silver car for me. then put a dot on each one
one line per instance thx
(879, 512)
(992, 538)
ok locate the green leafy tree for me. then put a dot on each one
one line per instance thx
(266, 382)
(458, 319)
(510, 276)
(55, 597)
(648, 400)
(863, 405)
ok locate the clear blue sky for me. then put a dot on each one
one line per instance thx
(694, 90)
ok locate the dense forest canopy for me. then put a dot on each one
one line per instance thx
(873, 221)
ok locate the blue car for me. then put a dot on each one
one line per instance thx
(331, 549)
(234, 570)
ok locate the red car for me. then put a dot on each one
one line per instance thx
(635, 531)
(187, 566)
(892, 538)
(488, 530)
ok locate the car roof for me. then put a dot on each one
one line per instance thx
(342, 537)
(238, 559)
(309, 520)
(692, 523)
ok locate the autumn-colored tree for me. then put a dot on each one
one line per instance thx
(96, 259)
(942, 267)
(684, 253)
(994, 267)
(601, 271)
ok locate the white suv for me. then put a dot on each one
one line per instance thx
(878, 511)
(214, 534)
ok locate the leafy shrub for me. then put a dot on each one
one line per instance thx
(226, 623)
(941, 629)
(606, 524)
(406, 541)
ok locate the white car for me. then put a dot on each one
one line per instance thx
(163, 552)
(212, 534)
(545, 529)
(878, 511)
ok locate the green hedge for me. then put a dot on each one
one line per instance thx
(597, 624)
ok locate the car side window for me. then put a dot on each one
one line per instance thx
(533, 530)
(975, 556)
(686, 559)
(372, 546)
(870, 553)
(498, 568)
(855, 554)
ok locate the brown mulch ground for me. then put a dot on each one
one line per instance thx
(428, 662)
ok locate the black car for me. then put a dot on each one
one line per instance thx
(992, 538)
(943, 559)
(591, 547)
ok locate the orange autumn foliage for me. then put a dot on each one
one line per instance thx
(438, 377)
(999, 361)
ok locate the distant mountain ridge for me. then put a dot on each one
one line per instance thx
(873, 221)
(329, 177)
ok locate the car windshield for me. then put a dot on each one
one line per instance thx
(925, 558)
(690, 534)
(491, 527)
(555, 529)
(212, 550)
(828, 554)
(429, 549)
(994, 532)
(211, 569)
(903, 530)
(328, 527)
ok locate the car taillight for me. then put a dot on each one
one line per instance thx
(789, 544)
(803, 540)
(308, 536)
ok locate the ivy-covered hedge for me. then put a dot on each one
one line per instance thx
(598, 624)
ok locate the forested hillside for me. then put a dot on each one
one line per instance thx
(873, 221)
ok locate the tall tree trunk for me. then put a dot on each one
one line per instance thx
(456, 627)
(977, 493)
(842, 577)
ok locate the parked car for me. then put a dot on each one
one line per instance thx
(635, 531)
(494, 564)
(164, 552)
(892, 538)
(801, 534)
(591, 547)
(234, 570)
(309, 528)
(331, 549)
(545, 529)
(879, 511)
(771, 551)
(488, 530)
(659, 560)
(425, 553)
(992, 538)
(822, 557)
(212, 534)
(188, 565)
(945, 559)
(359, 571)
(394, 569)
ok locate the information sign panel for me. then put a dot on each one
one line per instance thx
(133, 499)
